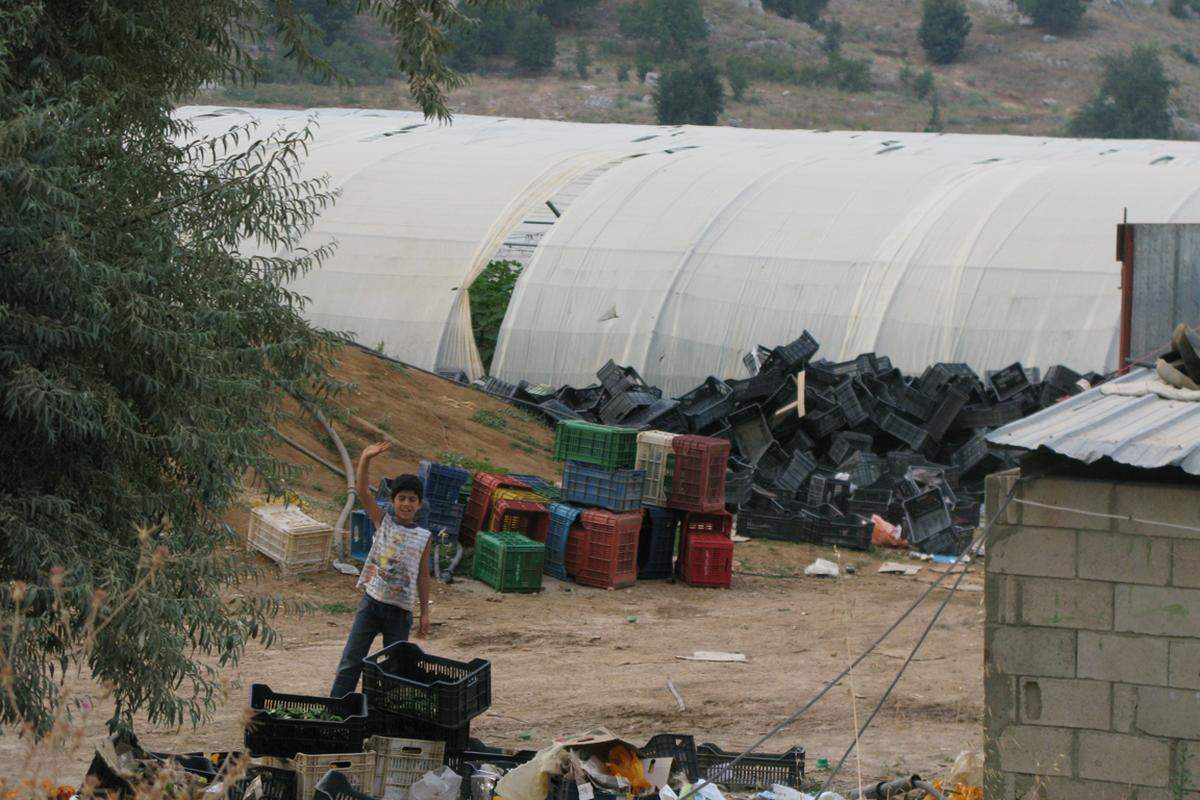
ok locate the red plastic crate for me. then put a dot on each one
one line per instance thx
(479, 504)
(610, 548)
(711, 522)
(706, 559)
(524, 516)
(698, 483)
(576, 552)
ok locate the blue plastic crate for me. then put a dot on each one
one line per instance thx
(656, 545)
(540, 485)
(617, 490)
(438, 516)
(362, 534)
(442, 482)
(562, 518)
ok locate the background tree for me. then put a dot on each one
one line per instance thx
(1133, 101)
(1056, 16)
(534, 45)
(583, 59)
(690, 92)
(489, 296)
(330, 16)
(143, 354)
(944, 29)
(563, 12)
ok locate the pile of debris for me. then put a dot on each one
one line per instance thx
(825, 451)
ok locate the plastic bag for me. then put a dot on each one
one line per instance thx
(441, 785)
(624, 763)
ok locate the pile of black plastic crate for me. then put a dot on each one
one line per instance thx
(871, 441)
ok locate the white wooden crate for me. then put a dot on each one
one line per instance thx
(290, 538)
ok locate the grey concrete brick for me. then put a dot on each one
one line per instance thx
(1021, 550)
(1067, 603)
(1042, 652)
(996, 488)
(1123, 658)
(1065, 703)
(1035, 750)
(1185, 564)
(1185, 665)
(1157, 610)
(1175, 505)
(1122, 758)
(1000, 702)
(1002, 599)
(1124, 558)
(1169, 712)
(1085, 495)
(1124, 707)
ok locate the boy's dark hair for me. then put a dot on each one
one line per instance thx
(407, 482)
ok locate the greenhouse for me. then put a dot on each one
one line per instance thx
(677, 250)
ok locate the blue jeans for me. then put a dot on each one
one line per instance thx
(373, 618)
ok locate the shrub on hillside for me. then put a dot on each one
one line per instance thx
(1056, 16)
(533, 44)
(1133, 101)
(690, 92)
(738, 76)
(944, 29)
(808, 11)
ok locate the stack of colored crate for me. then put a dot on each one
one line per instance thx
(598, 534)
(706, 549)
(656, 457)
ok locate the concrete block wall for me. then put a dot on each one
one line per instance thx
(1092, 649)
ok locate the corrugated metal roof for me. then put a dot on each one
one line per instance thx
(1144, 431)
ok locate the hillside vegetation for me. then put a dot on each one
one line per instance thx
(1011, 77)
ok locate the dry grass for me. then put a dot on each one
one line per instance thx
(1011, 79)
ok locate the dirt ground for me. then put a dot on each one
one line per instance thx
(572, 658)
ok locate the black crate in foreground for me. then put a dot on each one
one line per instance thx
(402, 679)
(268, 735)
(755, 771)
(681, 748)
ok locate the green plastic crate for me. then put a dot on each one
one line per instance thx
(602, 445)
(509, 562)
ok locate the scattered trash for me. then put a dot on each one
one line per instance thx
(885, 534)
(631, 619)
(822, 568)
(894, 568)
(344, 568)
(441, 785)
(706, 655)
(967, 769)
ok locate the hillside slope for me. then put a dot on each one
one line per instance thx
(425, 416)
(1011, 79)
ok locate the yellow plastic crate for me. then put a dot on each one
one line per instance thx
(359, 769)
(518, 494)
(399, 763)
(656, 456)
(290, 538)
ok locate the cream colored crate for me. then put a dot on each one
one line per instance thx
(656, 456)
(359, 769)
(399, 763)
(290, 538)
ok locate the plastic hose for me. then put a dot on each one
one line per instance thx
(341, 531)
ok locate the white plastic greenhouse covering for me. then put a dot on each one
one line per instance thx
(677, 250)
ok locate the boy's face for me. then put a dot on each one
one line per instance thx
(404, 506)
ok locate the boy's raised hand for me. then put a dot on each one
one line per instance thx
(375, 449)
